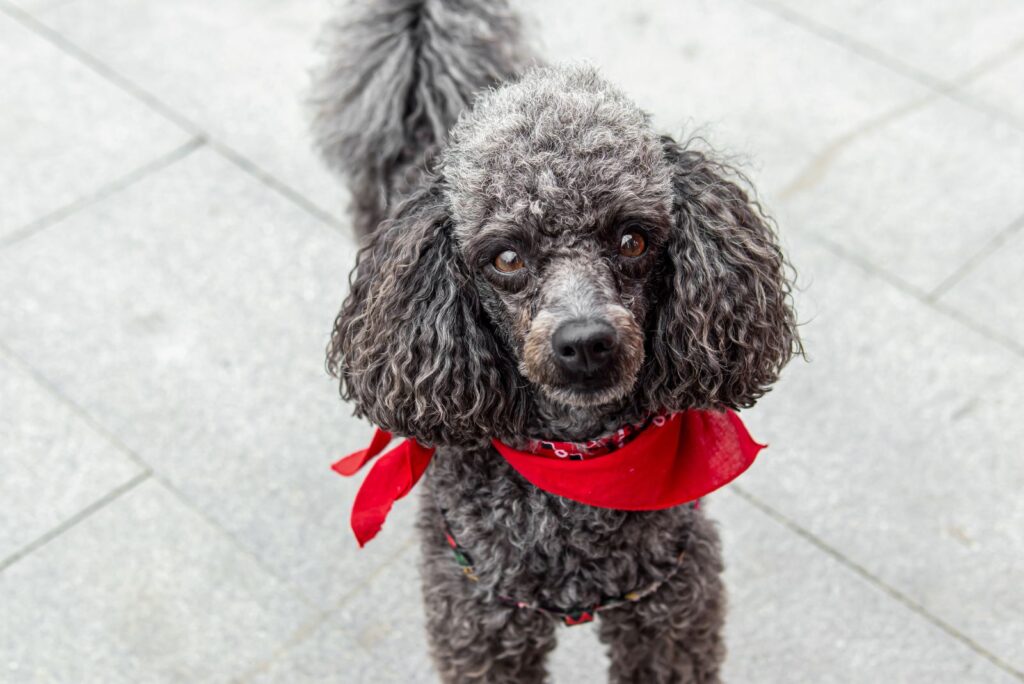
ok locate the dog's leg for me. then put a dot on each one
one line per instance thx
(674, 639)
(472, 640)
(675, 634)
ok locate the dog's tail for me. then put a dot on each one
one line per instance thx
(397, 75)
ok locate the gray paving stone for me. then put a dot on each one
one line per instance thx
(898, 444)
(189, 315)
(943, 38)
(66, 131)
(795, 615)
(917, 196)
(798, 616)
(990, 292)
(144, 590)
(376, 637)
(54, 463)
(238, 68)
(1000, 88)
(760, 89)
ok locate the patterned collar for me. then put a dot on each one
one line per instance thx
(581, 451)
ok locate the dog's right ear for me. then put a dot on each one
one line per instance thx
(412, 346)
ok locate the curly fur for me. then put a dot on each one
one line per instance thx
(414, 351)
(725, 327)
(432, 342)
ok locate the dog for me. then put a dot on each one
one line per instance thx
(538, 264)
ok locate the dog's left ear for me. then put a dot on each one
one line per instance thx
(723, 325)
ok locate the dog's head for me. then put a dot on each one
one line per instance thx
(561, 248)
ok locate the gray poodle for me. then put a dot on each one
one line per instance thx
(537, 263)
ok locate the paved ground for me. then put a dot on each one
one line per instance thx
(172, 255)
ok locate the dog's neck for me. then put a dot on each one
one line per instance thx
(554, 421)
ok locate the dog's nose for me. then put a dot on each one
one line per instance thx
(584, 346)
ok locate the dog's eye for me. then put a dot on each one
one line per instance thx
(632, 243)
(508, 262)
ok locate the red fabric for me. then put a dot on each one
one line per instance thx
(583, 618)
(688, 456)
(673, 460)
(390, 478)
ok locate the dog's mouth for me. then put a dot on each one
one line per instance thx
(592, 392)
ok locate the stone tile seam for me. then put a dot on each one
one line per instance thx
(55, 393)
(310, 628)
(980, 328)
(922, 297)
(286, 583)
(860, 48)
(80, 516)
(111, 438)
(161, 108)
(105, 191)
(953, 88)
(97, 66)
(878, 583)
(959, 93)
(884, 59)
(973, 262)
(277, 185)
(816, 168)
(971, 100)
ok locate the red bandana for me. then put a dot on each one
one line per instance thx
(665, 462)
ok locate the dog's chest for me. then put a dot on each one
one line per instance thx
(525, 544)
